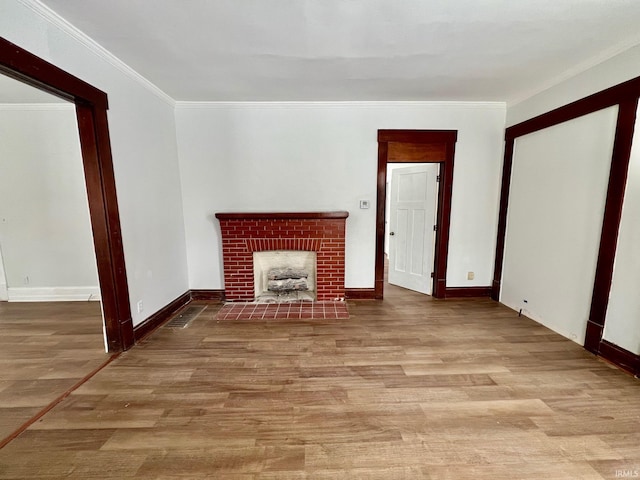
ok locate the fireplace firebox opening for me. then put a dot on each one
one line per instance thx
(284, 276)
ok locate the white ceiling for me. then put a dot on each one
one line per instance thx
(315, 50)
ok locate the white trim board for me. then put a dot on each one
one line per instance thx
(345, 104)
(54, 294)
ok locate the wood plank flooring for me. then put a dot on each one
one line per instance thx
(45, 348)
(407, 388)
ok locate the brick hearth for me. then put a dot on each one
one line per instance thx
(245, 233)
(264, 311)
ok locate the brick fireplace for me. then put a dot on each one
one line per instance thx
(246, 233)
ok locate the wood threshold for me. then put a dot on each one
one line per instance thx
(55, 402)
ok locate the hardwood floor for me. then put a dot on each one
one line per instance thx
(45, 348)
(406, 388)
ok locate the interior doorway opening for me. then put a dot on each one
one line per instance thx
(51, 322)
(410, 225)
(46, 244)
(417, 146)
(91, 111)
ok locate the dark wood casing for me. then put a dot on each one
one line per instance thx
(91, 111)
(625, 95)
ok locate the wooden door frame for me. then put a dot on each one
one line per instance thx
(427, 146)
(625, 95)
(91, 111)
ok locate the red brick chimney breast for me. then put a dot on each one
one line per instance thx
(245, 233)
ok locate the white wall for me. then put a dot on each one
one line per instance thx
(323, 156)
(142, 127)
(45, 231)
(558, 191)
(622, 324)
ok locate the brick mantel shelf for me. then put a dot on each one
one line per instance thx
(245, 233)
(281, 215)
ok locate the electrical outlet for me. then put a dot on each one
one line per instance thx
(364, 204)
(471, 275)
(140, 306)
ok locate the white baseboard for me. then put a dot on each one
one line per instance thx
(54, 294)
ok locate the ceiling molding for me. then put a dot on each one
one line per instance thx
(576, 70)
(333, 53)
(347, 104)
(66, 27)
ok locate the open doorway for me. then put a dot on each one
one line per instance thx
(51, 324)
(411, 221)
(91, 112)
(417, 146)
(46, 242)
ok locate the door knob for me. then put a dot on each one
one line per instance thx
(392, 233)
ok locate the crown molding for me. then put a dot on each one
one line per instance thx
(576, 70)
(52, 17)
(345, 104)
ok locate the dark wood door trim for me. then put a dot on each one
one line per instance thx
(592, 103)
(91, 112)
(611, 223)
(502, 218)
(625, 359)
(439, 147)
(625, 95)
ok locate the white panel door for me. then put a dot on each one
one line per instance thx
(411, 226)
